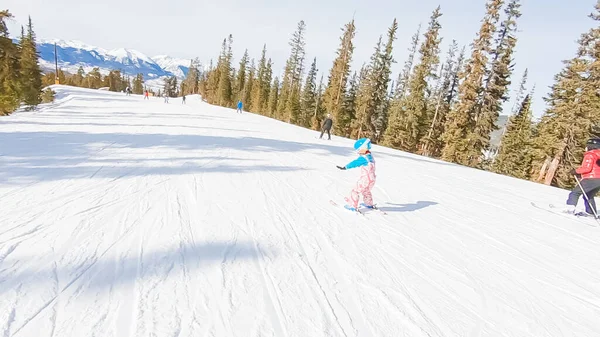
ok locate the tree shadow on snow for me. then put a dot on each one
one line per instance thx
(414, 157)
(407, 207)
(99, 270)
(32, 156)
(116, 124)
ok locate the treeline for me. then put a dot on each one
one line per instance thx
(443, 104)
(20, 74)
(444, 107)
(119, 82)
(114, 80)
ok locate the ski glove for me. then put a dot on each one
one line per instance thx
(341, 167)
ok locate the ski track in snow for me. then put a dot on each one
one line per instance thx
(126, 217)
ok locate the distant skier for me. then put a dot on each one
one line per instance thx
(588, 176)
(146, 94)
(183, 100)
(326, 127)
(367, 178)
(166, 98)
(239, 106)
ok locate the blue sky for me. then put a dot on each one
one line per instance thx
(548, 29)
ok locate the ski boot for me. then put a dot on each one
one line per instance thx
(350, 208)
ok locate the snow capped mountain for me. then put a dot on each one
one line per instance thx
(177, 66)
(74, 54)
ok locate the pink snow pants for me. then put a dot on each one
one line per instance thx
(364, 185)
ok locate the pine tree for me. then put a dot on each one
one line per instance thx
(461, 119)
(9, 68)
(404, 76)
(240, 80)
(225, 94)
(431, 144)
(250, 80)
(138, 84)
(79, 78)
(170, 86)
(373, 90)
(520, 93)
(338, 77)
(572, 115)
(31, 75)
(213, 83)
(268, 77)
(273, 98)
(309, 96)
(319, 109)
(514, 110)
(409, 115)
(190, 84)
(48, 79)
(289, 98)
(62, 78)
(515, 154)
(349, 106)
(361, 126)
(93, 79)
(496, 85)
(382, 80)
(258, 88)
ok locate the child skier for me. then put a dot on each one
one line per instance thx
(366, 181)
(588, 176)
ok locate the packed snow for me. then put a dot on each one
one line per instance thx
(130, 217)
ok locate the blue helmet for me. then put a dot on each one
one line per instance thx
(363, 143)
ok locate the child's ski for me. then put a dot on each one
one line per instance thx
(374, 207)
(358, 211)
(361, 210)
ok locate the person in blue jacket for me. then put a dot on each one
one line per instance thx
(367, 178)
(239, 106)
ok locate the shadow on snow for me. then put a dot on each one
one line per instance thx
(407, 207)
(45, 155)
(105, 272)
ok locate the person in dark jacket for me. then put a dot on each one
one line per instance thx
(326, 127)
(588, 175)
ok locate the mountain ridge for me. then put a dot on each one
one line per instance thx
(72, 54)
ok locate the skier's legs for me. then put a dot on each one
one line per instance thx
(329, 134)
(574, 196)
(354, 197)
(367, 195)
(360, 188)
(591, 188)
(322, 132)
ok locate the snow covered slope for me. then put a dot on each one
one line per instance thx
(125, 217)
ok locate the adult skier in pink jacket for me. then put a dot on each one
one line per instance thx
(367, 178)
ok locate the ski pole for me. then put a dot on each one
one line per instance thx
(585, 197)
